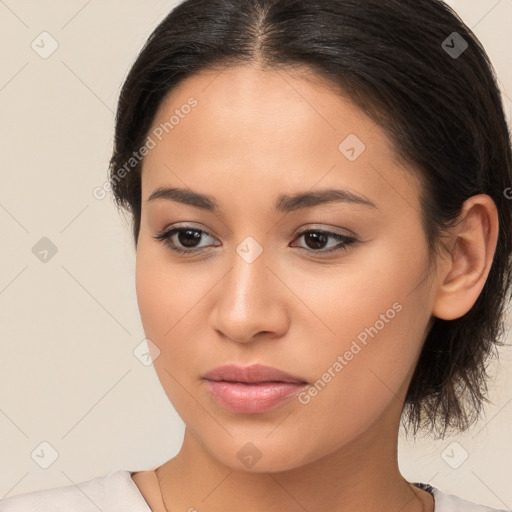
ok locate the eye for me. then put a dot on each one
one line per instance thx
(317, 239)
(185, 240)
(187, 236)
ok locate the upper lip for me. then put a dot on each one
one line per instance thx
(251, 374)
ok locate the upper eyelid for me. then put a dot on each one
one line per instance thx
(299, 231)
(171, 231)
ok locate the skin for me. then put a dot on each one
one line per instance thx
(253, 136)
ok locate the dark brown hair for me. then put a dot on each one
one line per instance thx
(416, 69)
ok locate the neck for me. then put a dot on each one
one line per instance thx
(362, 475)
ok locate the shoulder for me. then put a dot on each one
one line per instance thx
(105, 493)
(445, 502)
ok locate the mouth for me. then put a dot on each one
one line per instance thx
(251, 398)
(254, 374)
(255, 383)
(253, 389)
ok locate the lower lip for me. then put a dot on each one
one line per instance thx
(252, 398)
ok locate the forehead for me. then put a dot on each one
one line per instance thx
(261, 130)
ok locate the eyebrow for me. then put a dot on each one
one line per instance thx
(284, 203)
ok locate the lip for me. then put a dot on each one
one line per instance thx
(252, 398)
(252, 389)
(255, 373)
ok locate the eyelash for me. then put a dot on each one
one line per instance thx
(165, 237)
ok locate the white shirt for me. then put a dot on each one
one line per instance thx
(117, 492)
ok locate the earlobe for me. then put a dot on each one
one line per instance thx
(465, 270)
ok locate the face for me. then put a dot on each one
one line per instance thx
(334, 292)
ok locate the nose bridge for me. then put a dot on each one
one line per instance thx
(248, 300)
(248, 278)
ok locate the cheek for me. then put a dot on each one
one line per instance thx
(150, 297)
(170, 298)
(157, 297)
(165, 292)
(350, 297)
(360, 370)
(376, 309)
(166, 303)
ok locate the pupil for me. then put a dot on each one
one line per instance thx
(195, 236)
(317, 238)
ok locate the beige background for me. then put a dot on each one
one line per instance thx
(68, 374)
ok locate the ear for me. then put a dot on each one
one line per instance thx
(465, 270)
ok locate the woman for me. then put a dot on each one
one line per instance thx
(320, 195)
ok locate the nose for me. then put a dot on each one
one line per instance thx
(250, 302)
